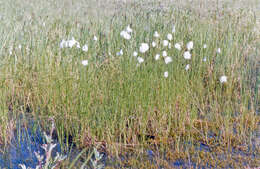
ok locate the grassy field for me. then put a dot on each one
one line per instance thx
(126, 103)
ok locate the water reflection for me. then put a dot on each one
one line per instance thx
(25, 142)
(29, 138)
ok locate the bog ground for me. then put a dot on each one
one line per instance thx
(129, 84)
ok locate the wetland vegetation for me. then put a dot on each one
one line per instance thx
(129, 84)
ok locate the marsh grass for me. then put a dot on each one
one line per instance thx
(126, 107)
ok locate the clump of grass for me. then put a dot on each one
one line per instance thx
(114, 99)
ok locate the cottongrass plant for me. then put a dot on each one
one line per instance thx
(100, 95)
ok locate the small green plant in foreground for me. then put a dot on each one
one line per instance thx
(46, 161)
(98, 157)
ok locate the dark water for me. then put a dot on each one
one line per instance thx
(25, 142)
(29, 139)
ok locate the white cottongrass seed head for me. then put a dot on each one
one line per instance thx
(120, 53)
(156, 34)
(187, 67)
(140, 60)
(166, 74)
(85, 48)
(205, 46)
(170, 46)
(177, 46)
(129, 29)
(72, 42)
(157, 57)
(95, 38)
(63, 43)
(173, 29)
(187, 55)
(144, 47)
(153, 44)
(164, 53)
(84, 62)
(204, 59)
(125, 35)
(189, 45)
(77, 45)
(219, 50)
(169, 36)
(168, 59)
(223, 79)
(165, 43)
(135, 54)
(11, 50)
